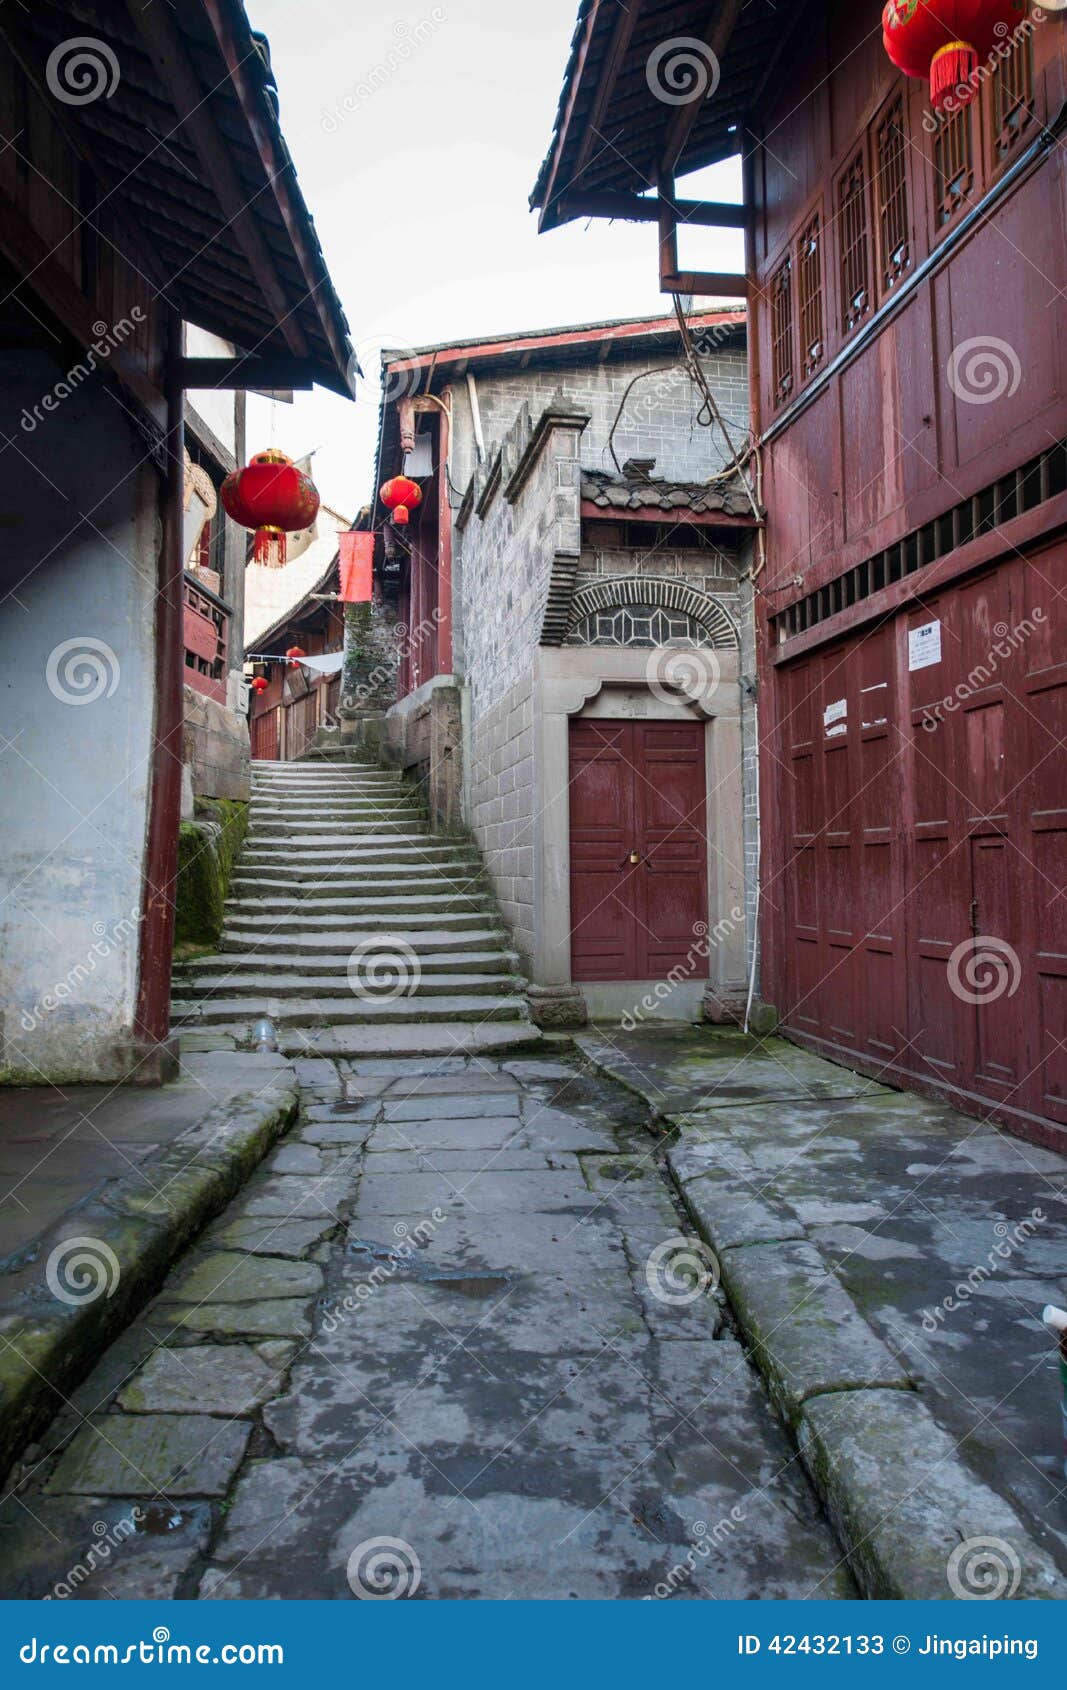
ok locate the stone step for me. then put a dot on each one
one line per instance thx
(355, 810)
(348, 1010)
(351, 885)
(321, 899)
(293, 766)
(338, 943)
(299, 924)
(415, 1039)
(364, 849)
(322, 828)
(406, 871)
(372, 835)
(333, 792)
(433, 959)
(327, 778)
(205, 988)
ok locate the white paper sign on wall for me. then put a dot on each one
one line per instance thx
(833, 717)
(924, 646)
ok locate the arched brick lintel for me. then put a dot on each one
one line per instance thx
(678, 596)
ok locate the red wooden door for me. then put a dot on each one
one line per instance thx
(925, 843)
(265, 734)
(637, 790)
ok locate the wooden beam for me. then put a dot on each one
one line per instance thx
(249, 375)
(716, 36)
(164, 47)
(633, 208)
(703, 283)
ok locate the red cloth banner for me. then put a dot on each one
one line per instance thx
(357, 566)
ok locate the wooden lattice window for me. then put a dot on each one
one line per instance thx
(953, 162)
(809, 286)
(782, 330)
(1013, 96)
(891, 194)
(852, 218)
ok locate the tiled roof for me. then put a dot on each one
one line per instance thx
(623, 493)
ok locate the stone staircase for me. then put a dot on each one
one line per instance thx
(354, 928)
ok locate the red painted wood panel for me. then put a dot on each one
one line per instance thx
(923, 880)
(637, 789)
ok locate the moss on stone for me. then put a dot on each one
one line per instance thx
(207, 849)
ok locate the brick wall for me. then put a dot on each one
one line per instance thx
(659, 418)
(500, 804)
(504, 559)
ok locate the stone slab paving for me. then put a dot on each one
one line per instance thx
(869, 1238)
(458, 1309)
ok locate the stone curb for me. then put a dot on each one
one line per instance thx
(913, 1519)
(47, 1346)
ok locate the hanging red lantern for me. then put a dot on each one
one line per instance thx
(275, 498)
(260, 685)
(294, 654)
(401, 495)
(947, 40)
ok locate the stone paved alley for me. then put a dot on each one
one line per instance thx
(449, 1341)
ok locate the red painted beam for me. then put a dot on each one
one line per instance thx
(567, 337)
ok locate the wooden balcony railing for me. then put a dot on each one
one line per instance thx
(207, 639)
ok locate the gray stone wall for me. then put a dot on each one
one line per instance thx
(505, 555)
(500, 805)
(659, 417)
(710, 571)
(216, 753)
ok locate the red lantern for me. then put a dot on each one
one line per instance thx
(260, 685)
(275, 498)
(400, 496)
(947, 40)
(294, 654)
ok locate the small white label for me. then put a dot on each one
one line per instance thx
(924, 646)
(835, 712)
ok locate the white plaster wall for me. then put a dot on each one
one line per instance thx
(269, 593)
(80, 538)
(215, 405)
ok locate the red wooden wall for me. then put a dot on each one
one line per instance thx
(896, 842)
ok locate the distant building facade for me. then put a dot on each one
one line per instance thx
(573, 688)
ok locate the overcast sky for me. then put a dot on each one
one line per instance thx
(417, 132)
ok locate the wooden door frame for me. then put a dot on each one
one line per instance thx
(591, 681)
